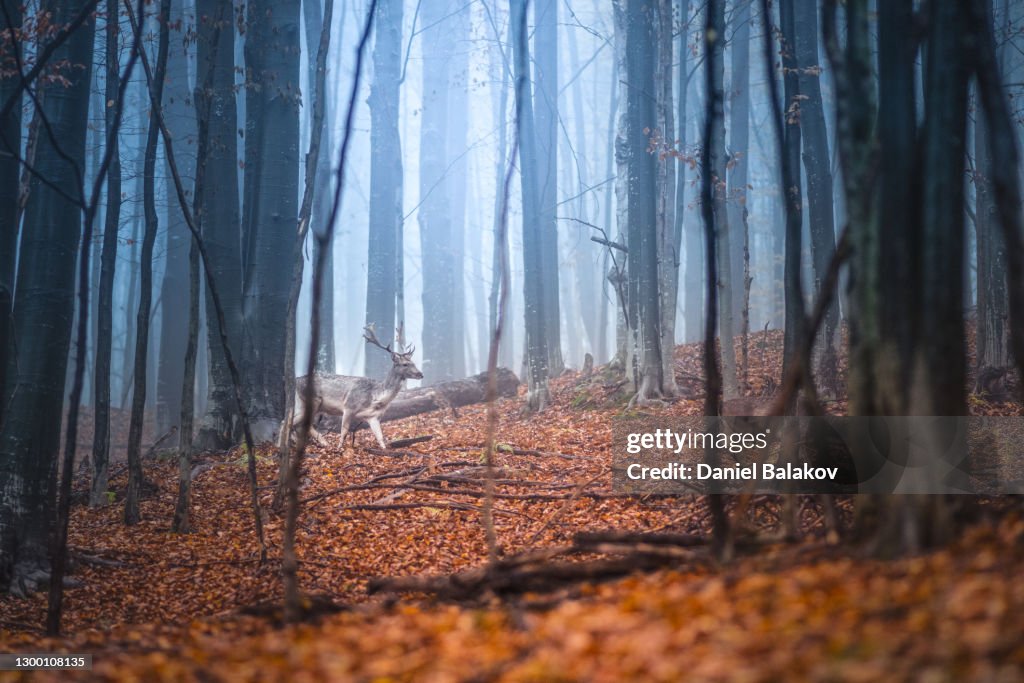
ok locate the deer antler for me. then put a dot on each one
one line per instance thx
(371, 336)
(404, 350)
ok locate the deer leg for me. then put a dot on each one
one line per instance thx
(346, 424)
(314, 434)
(375, 428)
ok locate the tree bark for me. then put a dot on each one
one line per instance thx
(545, 107)
(108, 265)
(533, 241)
(10, 142)
(500, 253)
(739, 148)
(437, 238)
(669, 240)
(642, 234)
(270, 203)
(1006, 173)
(174, 288)
(896, 237)
(858, 148)
(820, 196)
(181, 523)
(617, 274)
(385, 182)
(215, 49)
(991, 325)
(940, 366)
(588, 276)
(41, 322)
(713, 213)
(793, 193)
(312, 14)
(131, 507)
(693, 273)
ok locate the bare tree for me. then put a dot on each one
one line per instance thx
(386, 184)
(533, 244)
(10, 149)
(289, 565)
(108, 265)
(131, 506)
(41, 318)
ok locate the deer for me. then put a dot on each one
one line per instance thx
(360, 399)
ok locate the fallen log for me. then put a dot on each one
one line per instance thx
(452, 394)
(536, 578)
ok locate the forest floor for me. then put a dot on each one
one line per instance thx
(152, 605)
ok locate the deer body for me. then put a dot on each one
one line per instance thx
(357, 399)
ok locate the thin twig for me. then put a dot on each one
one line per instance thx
(292, 606)
(211, 288)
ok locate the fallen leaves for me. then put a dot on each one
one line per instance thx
(153, 605)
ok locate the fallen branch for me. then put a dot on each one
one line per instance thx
(504, 448)
(402, 443)
(499, 580)
(390, 453)
(452, 394)
(445, 504)
(96, 560)
(585, 538)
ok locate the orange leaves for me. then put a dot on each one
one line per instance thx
(161, 606)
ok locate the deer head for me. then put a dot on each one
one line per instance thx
(403, 367)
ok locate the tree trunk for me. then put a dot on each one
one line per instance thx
(642, 234)
(820, 197)
(215, 49)
(435, 215)
(10, 140)
(855, 119)
(739, 148)
(545, 107)
(1006, 173)
(41, 321)
(724, 235)
(587, 275)
(385, 182)
(500, 251)
(691, 249)
(793, 193)
(940, 367)
(993, 308)
(174, 289)
(893, 247)
(131, 507)
(318, 111)
(669, 241)
(312, 14)
(108, 264)
(533, 241)
(617, 274)
(713, 213)
(181, 523)
(270, 203)
(130, 302)
(459, 79)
